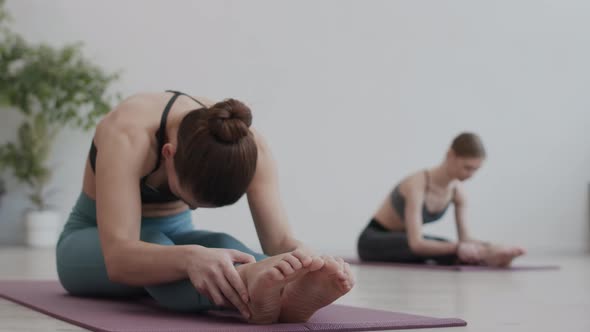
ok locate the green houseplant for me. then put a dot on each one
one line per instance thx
(52, 88)
(2, 190)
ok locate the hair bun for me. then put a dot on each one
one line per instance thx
(229, 120)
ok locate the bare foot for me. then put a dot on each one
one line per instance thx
(266, 280)
(501, 256)
(315, 290)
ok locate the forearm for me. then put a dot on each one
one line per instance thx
(287, 244)
(140, 263)
(434, 248)
(469, 239)
(462, 233)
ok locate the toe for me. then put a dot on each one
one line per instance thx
(316, 264)
(275, 274)
(304, 258)
(331, 265)
(295, 263)
(285, 268)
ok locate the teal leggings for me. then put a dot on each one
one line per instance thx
(82, 271)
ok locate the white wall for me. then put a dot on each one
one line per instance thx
(352, 95)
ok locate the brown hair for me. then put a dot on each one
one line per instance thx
(216, 154)
(468, 145)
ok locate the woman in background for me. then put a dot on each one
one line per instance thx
(394, 234)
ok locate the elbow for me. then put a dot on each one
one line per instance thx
(114, 269)
(415, 246)
(113, 272)
(116, 261)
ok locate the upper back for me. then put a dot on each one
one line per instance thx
(133, 123)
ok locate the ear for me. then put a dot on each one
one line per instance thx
(168, 150)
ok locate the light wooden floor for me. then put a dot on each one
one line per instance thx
(488, 301)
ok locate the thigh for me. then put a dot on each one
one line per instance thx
(213, 240)
(376, 245)
(81, 268)
(449, 259)
(82, 272)
(435, 238)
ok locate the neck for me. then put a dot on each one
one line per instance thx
(440, 176)
(173, 124)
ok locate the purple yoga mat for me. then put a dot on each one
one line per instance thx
(357, 261)
(107, 315)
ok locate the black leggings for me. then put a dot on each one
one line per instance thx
(377, 244)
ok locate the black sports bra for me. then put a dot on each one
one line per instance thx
(150, 194)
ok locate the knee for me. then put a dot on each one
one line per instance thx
(221, 240)
(70, 281)
(157, 237)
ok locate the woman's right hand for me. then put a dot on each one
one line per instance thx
(212, 272)
(469, 252)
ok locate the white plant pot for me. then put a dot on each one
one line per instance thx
(42, 228)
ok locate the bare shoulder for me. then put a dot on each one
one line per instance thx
(131, 104)
(459, 196)
(206, 101)
(413, 184)
(260, 140)
(125, 146)
(126, 124)
(265, 164)
(265, 159)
